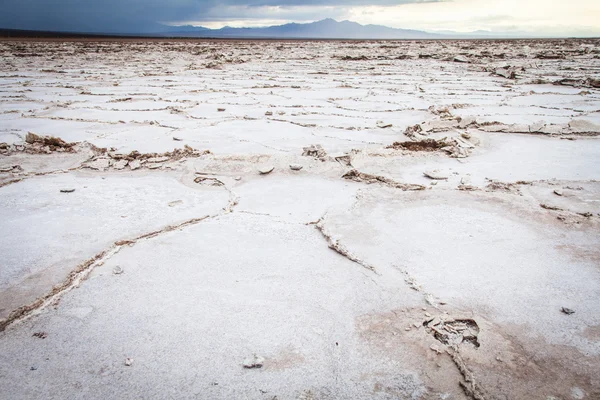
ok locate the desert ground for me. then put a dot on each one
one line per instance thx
(300, 219)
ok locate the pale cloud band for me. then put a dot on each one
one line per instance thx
(534, 16)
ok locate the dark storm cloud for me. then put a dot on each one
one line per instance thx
(145, 15)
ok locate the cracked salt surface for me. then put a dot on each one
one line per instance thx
(66, 230)
(220, 263)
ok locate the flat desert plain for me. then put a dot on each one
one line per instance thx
(300, 219)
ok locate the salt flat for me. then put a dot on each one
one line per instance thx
(300, 220)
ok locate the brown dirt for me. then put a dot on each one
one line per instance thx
(421, 145)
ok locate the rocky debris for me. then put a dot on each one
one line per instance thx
(440, 125)
(344, 159)
(569, 218)
(506, 72)
(12, 168)
(420, 145)
(458, 147)
(269, 113)
(413, 130)
(36, 144)
(497, 186)
(121, 164)
(537, 127)
(175, 203)
(354, 58)
(536, 81)
(412, 282)
(175, 138)
(220, 109)
(578, 83)
(357, 176)
(160, 159)
(118, 270)
(465, 184)
(579, 126)
(121, 100)
(567, 311)
(465, 122)
(315, 150)
(266, 169)
(461, 59)
(453, 332)
(128, 362)
(253, 362)
(436, 174)
(99, 164)
(549, 207)
(443, 112)
(467, 188)
(67, 190)
(495, 126)
(550, 55)
(54, 143)
(135, 164)
(383, 125)
(103, 159)
(40, 335)
(154, 165)
(208, 181)
(296, 167)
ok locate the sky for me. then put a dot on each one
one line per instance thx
(542, 17)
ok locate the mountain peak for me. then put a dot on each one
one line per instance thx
(326, 21)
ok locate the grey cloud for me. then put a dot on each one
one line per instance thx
(145, 15)
(298, 14)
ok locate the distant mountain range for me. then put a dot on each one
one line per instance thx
(324, 29)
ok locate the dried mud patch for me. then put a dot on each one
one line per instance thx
(519, 365)
(399, 336)
(507, 364)
(420, 145)
(581, 253)
(455, 147)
